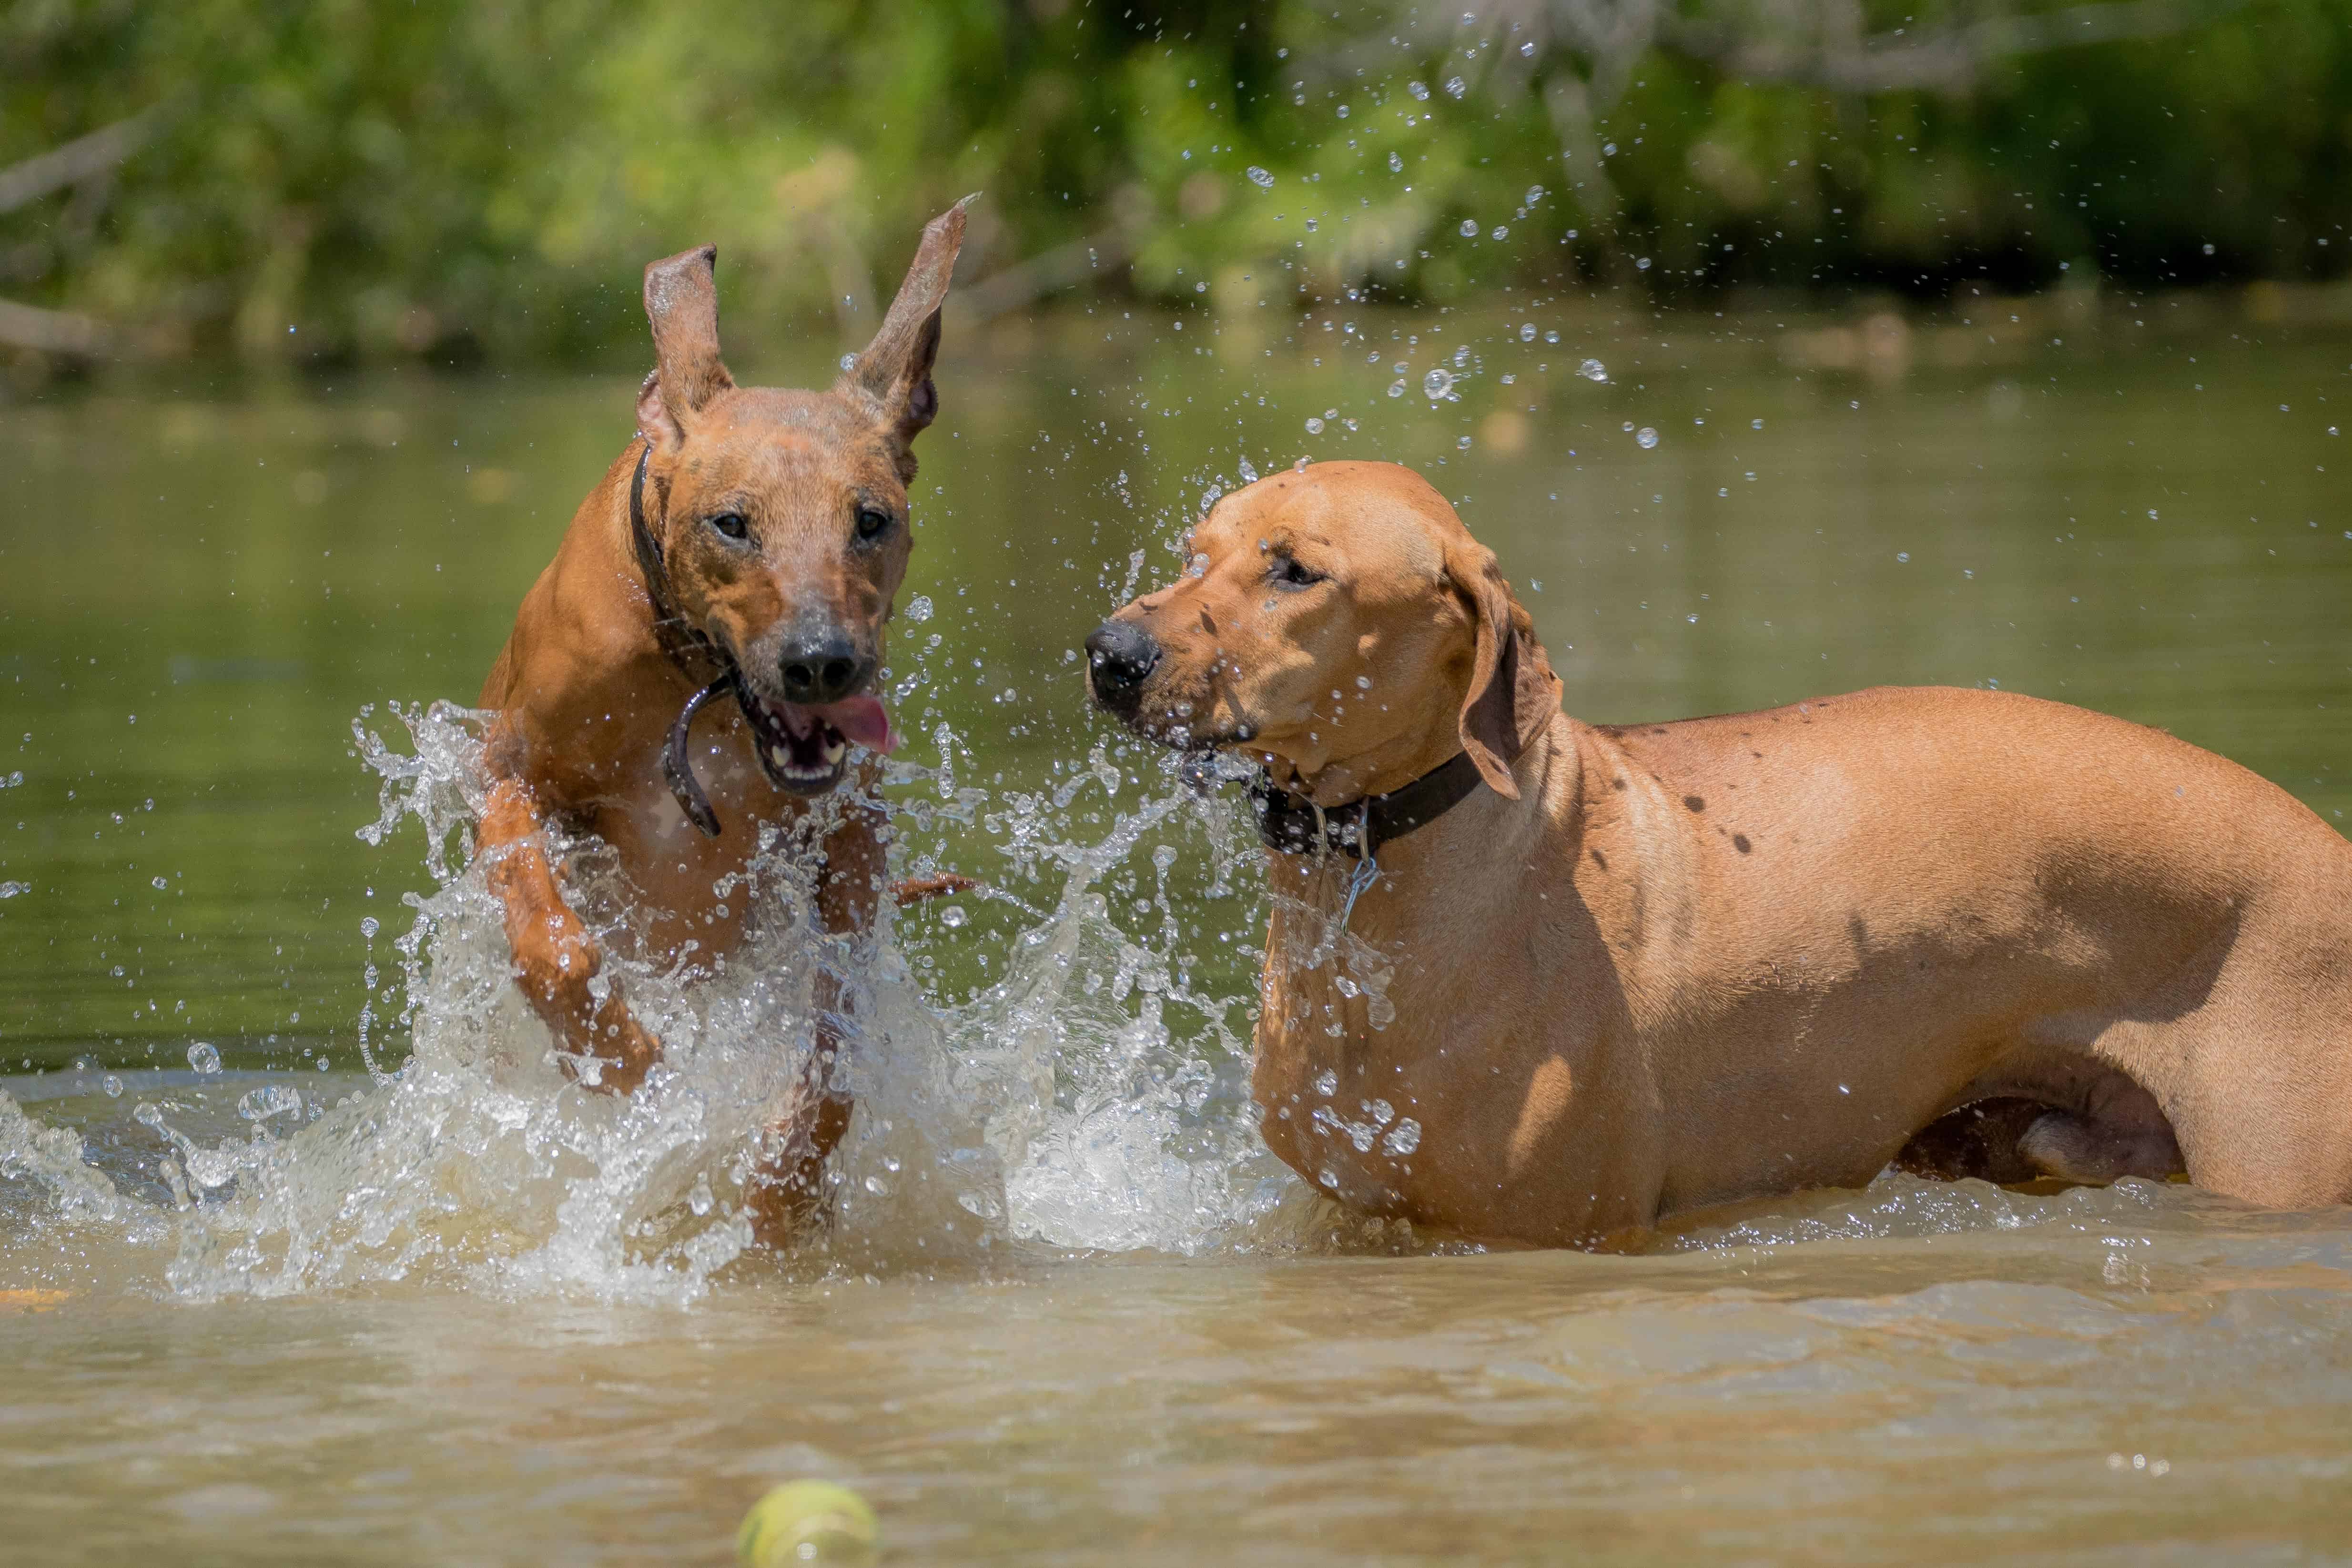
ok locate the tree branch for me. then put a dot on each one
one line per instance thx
(75, 161)
(54, 331)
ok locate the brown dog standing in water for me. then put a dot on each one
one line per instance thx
(747, 544)
(1649, 968)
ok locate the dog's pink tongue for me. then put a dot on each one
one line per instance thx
(862, 720)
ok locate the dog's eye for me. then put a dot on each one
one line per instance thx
(730, 524)
(1288, 571)
(872, 522)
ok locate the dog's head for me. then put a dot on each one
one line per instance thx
(781, 515)
(1338, 623)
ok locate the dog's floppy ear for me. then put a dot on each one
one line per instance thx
(895, 370)
(682, 303)
(1513, 693)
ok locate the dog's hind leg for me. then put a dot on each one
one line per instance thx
(1979, 1139)
(2118, 1131)
(556, 959)
(788, 1188)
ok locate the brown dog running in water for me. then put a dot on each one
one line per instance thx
(747, 543)
(1655, 968)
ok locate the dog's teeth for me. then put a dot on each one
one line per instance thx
(780, 756)
(833, 751)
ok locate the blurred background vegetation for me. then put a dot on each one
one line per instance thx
(460, 181)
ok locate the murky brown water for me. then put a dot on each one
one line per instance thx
(1070, 1312)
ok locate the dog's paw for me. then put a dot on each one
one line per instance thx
(915, 889)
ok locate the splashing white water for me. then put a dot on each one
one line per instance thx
(1058, 1106)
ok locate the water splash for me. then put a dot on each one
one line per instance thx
(1060, 1106)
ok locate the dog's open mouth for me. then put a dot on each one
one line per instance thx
(806, 750)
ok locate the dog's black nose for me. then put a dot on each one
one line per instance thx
(1119, 655)
(823, 668)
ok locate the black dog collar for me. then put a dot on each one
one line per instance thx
(1297, 826)
(689, 647)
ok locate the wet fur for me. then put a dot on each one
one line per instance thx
(1659, 967)
(586, 693)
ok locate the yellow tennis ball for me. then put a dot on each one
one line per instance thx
(808, 1521)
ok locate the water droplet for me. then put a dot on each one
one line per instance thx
(953, 916)
(1327, 1082)
(1402, 1139)
(112, 1085)
(1396, 389)
(1593, 370)
(1382, 1113)
(13, 889)
(159, 884)
(1500, 232)
(204, 1058)
(1755, 424)
(850, 361)
(1463, 443)
(1419, 90)
(1645, 438)
(1248, 472)
(1310, 225)
(1396, 163)
(1455, 87)
(367, 926)
(1469, 228)
(1903, 555)
(269, 1100)
(1437, 385)
(1527, 332)
(1260, 178)
(1314, 427)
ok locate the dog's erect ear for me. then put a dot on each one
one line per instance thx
(1513, 693)
(682, 303)
(895, 370)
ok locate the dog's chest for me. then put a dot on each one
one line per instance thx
(690, 881)
(1341, 1097)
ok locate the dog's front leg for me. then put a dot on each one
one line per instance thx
(556, 959)
(789, 1185)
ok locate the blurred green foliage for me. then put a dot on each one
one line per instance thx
(468, 178)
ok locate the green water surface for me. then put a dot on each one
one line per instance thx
(203, 586)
